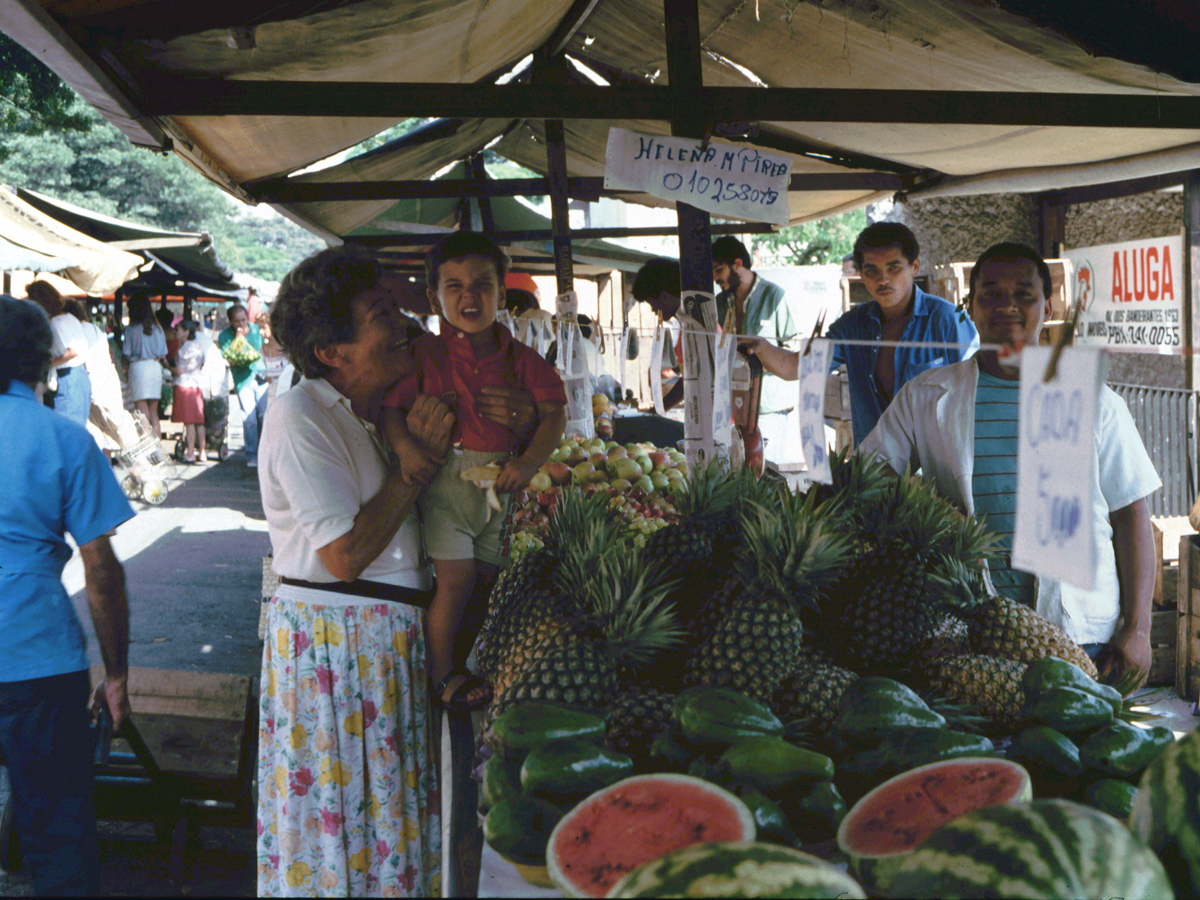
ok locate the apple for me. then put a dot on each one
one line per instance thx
(618, 452)
(591, 445)
(577, 455)
(541, 481)
(644, 462)
(673, 474)
(645, 484)
(659, 479)
(560, 454)
(559, 472)
(627, 469)
(609, 444)
(660, 459)
(582, 472)
(598, 477)
(598, 459)
(621, 484)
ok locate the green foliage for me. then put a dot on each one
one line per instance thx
(811, 243)
(32, 98)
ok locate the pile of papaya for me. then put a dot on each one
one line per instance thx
(1076, 745)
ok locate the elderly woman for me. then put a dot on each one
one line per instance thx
(347, 781)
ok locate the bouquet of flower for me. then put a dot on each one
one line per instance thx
(239, 352)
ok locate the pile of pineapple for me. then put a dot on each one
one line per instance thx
(787, 597)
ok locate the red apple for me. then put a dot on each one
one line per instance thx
(559, 472)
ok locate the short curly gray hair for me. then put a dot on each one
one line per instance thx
(313, 308)
(24, 342)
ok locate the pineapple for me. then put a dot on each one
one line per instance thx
(813, 691)
(948, 639)
(1003, 627)
(637, 715)
(618, 622)
(755, 633)
(919, 560)
(988, 685)
(701, 504)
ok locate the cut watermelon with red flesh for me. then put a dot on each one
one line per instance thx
(893, 819)
(619, 828)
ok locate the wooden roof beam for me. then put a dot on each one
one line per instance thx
(172, 95)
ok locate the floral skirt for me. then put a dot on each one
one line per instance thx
(347, 784)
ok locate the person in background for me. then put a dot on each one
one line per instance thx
(187, 407)
(657, 285)
(347, 798)
(73, 397)
(465, 272)
(522, 281)
(144, 350)
(54, 482)
(958, 425)
(249, 380)
(274, 360)
(108, 421)
(519, 301)
(888, 259)
(166, 319)
(751, 306)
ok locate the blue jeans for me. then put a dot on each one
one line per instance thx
(253, 400)
(74, 396)
(45, 744)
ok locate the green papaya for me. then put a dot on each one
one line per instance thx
(499, 782)
(724, 716)
(683, 697)
(519, 828)
(771, 823)
(566, 771)
(1050, 672)
(1043, 749)
(876, 687)
(667, 754)
(524, 726)
(773, 765)
(873, 721)
(930, 745)
(1119, 750)
(1068, 709)
(1112, 796)
(1162, 736)
(815, 816)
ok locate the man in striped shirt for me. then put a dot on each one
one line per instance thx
(958, 425)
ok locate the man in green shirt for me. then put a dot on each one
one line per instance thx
(249, 382)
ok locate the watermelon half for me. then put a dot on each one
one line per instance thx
(886, 825)
(629, 823)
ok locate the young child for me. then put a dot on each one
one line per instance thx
(465, 273)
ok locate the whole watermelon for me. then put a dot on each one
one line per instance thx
(1166, 812)
(737, 869)
(1029, 851)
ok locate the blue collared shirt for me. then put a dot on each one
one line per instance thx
(53, 480)
(933, 319)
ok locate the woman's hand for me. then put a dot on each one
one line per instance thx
(431, 422)
(507, 406)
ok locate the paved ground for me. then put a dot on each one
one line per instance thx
(194, 570)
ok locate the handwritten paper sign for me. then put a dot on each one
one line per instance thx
(707, 381)
(1056, 466)
(574, 368)
(814, 371)
(728, 180)
(656, 367)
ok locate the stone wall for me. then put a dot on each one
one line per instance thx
(958, 229)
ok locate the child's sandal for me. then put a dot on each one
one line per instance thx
(458, 700)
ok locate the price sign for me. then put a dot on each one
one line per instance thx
(814, 371)
(656, 366)
(725, 179)
(1056, 466)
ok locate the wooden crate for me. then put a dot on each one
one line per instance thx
(1164, 626)
(1187, 644)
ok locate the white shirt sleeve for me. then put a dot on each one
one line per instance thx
(1126, 471)
(68, 334)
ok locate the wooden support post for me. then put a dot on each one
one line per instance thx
(487, 222)
(1052, 224)
(685, 78)
(553, 70)
(1191, 275)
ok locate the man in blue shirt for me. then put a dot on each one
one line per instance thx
(54, 480)
(888, 260)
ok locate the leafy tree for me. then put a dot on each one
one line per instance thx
(812, 243)
(32, 98)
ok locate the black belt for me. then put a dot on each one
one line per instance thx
(64, 371)
(373, 590)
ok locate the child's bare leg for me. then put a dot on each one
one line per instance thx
(455, 585)
(475, 611)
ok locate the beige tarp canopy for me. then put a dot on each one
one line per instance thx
(51, 246)
(231, 86)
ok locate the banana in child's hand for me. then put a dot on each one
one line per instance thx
(485, 477)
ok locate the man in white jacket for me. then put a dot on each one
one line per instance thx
(958, 425)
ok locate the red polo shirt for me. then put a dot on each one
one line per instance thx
(446, 364)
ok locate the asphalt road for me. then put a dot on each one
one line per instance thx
(193, 568)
